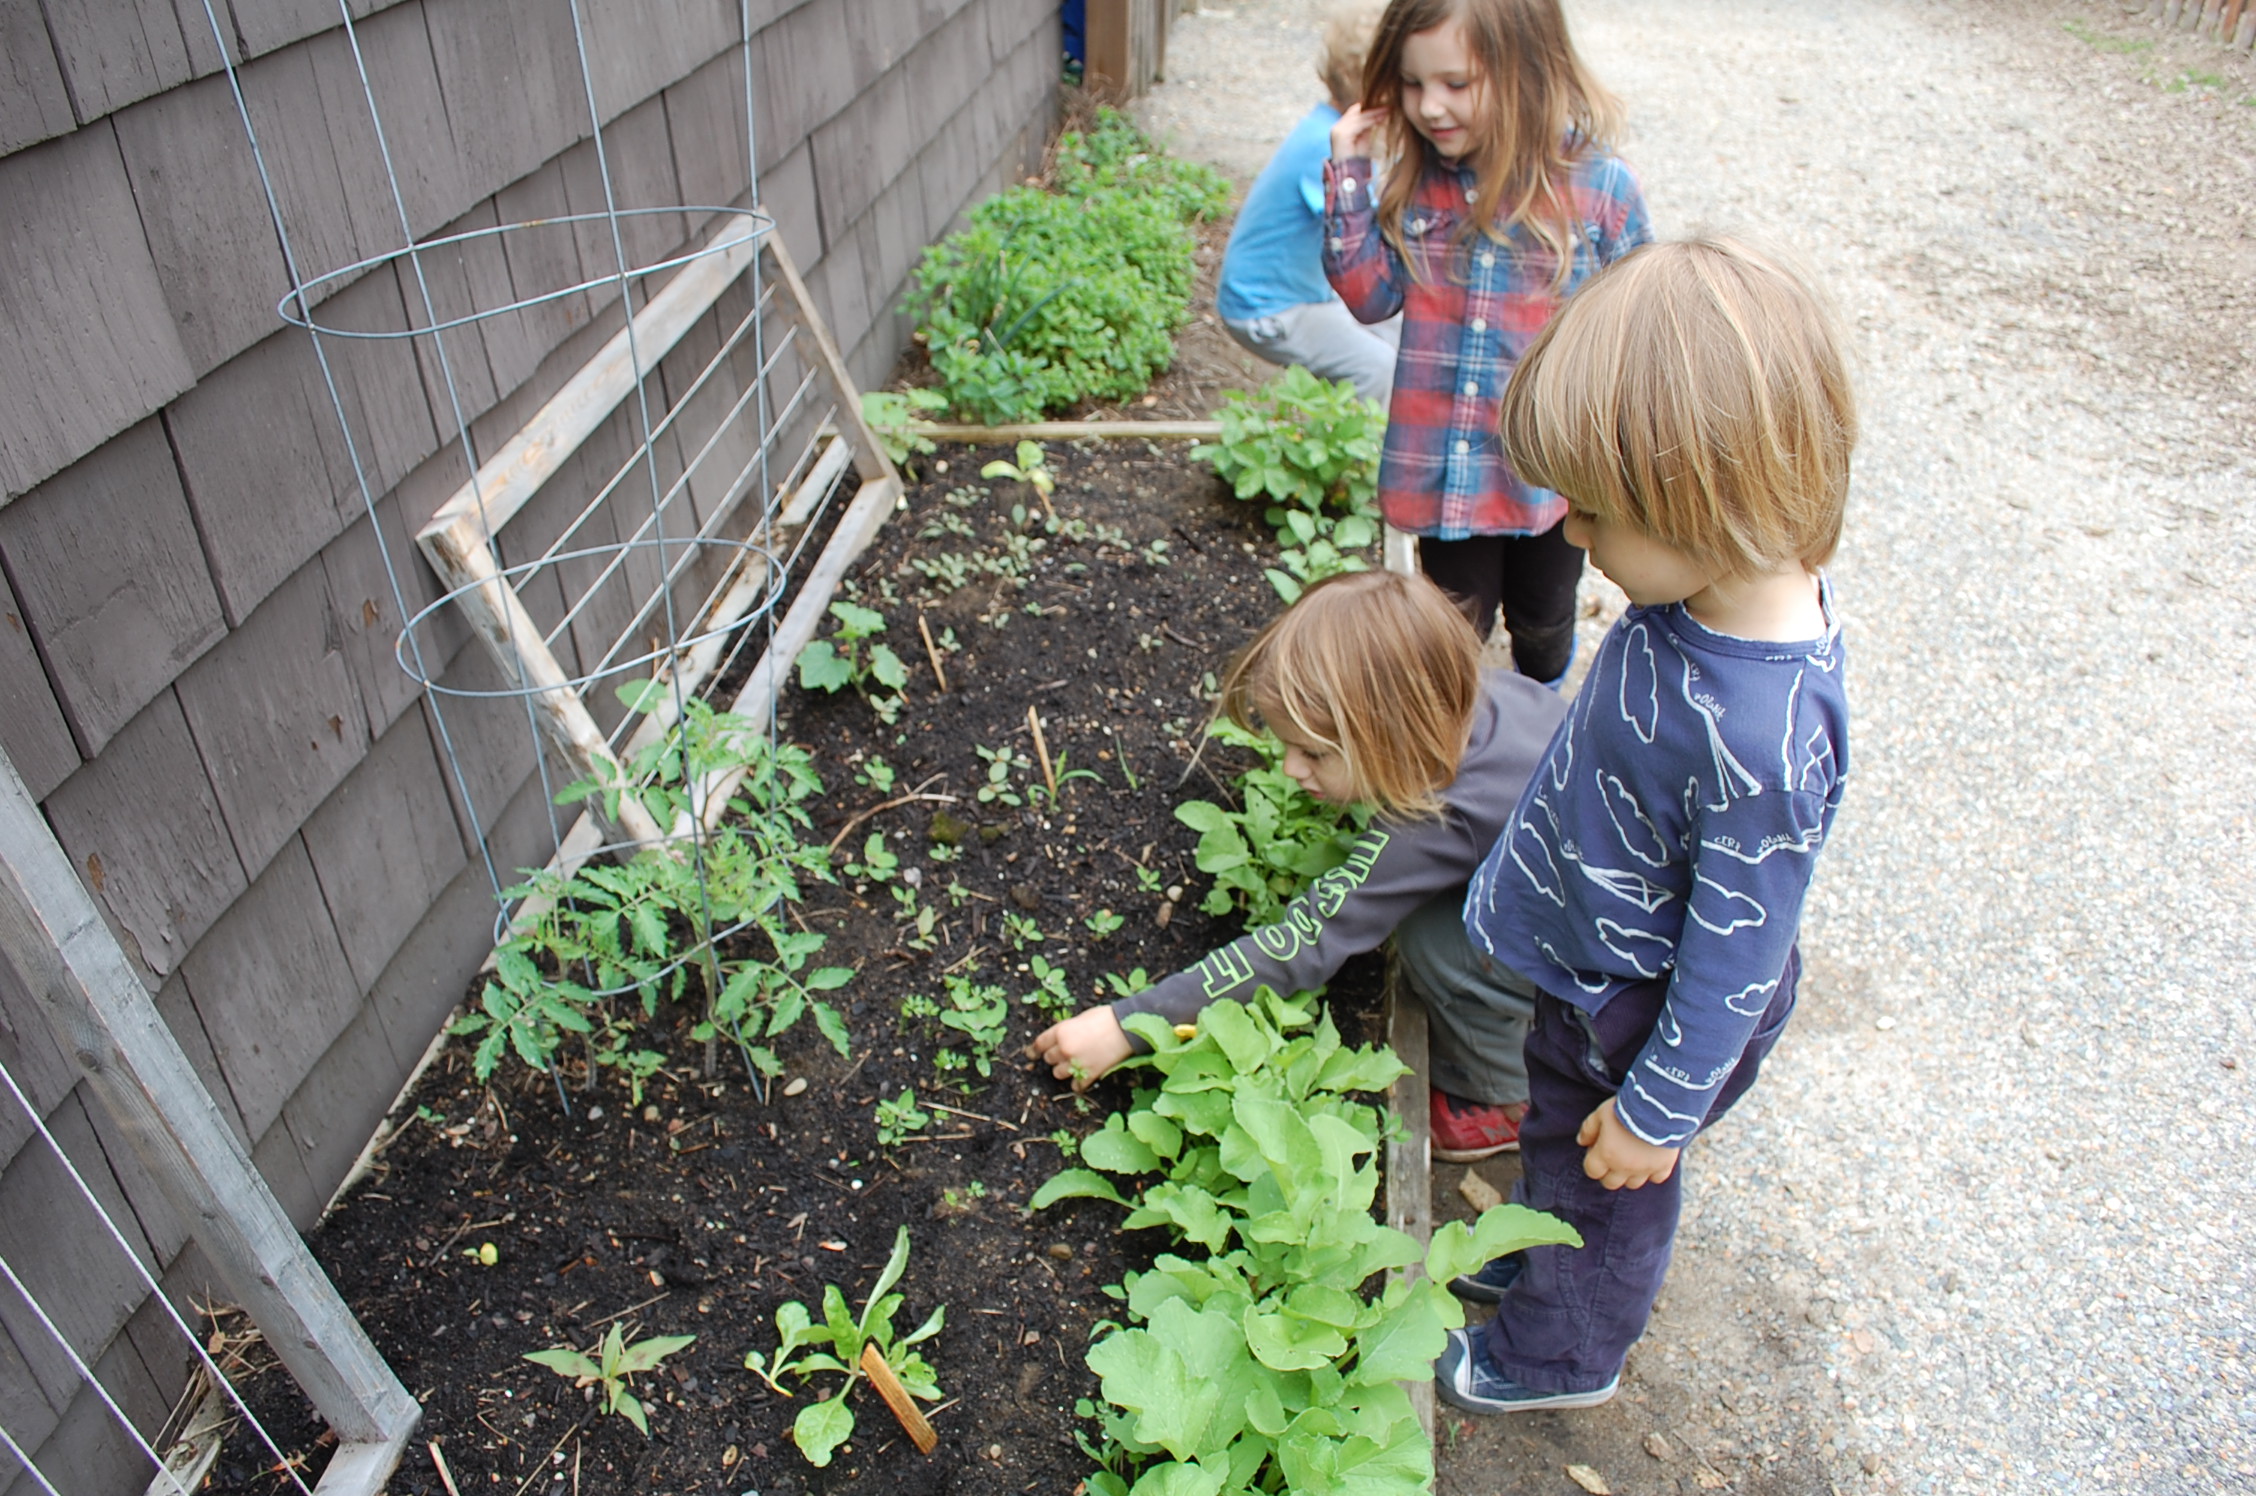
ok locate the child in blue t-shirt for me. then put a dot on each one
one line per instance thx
(1691, 404)
(1273, 296)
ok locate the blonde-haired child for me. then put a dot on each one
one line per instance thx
(1693, 405)
(1272, 296)
(1372, 682)
(1504, 196)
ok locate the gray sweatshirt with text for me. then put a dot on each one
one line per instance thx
(1395, 866)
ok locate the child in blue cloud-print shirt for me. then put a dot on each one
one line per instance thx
(1691, 405)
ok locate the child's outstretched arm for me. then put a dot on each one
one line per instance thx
(1083, 1047)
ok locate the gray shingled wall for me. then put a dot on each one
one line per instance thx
(196, 629)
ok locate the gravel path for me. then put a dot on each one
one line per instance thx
(1986, 1225)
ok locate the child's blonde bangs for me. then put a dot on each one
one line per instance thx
(1696, 392)
(1378, 668)
(1344, 42)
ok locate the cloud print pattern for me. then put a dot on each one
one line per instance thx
(1672, 832)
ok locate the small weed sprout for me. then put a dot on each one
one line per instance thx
(1020, 930)
(1050, 993)
(840, 661)
(615, 1361)
(1102, 923)
(1032, 469)
(900, 1118)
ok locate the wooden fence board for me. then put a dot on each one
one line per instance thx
(272, 987)
(29, 1052)
(276, 716)
(381, 844)
(32, 729)
(144, 829)
(113, 579)
(87, 346)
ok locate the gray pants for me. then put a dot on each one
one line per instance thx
(1477, 1012)
(1324, 338)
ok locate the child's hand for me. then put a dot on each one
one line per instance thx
(1083, 1047)
(1618, 1158)
(1351, 137)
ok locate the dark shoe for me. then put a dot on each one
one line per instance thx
(1488, 1285)
(1467, 1131)
(1465, 1377)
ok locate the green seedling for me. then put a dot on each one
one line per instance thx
(1129, 985)
(998, 789)
(842, 660)
(615, 1361)
(900, 1118)
(1148, 880)
(878, 862)
(1020, 930)
(980, 1013)
(822, 1426)
(1102, 923)
(877, 774)
(1050, 994)
(1262, 855)
(1031, 469)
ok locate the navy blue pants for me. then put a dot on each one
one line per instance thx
(1568, 1322)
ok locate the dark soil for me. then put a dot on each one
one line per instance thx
(704, 1209)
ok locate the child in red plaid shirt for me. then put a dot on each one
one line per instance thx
(1502, 198)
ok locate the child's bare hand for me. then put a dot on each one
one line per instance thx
(1351, 137)
(1082, 1047)
(1618, 1158)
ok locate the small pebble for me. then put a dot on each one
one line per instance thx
(1061, 1251)
(795, 1086)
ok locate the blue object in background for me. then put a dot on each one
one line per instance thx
(1075, 14)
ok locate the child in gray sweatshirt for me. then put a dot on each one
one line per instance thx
(1372, 683)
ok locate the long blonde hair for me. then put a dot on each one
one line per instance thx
(1376, 667)
(1698, 393)
(1545, 109)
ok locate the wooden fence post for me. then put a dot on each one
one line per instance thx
(102, 1016)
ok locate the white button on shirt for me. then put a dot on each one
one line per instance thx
(1480, 324)
(1464, 447)
(1472, 386)
(1488, 259)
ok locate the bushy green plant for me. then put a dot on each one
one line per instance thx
(891, 414)
(611, 932)
(1310, 447)
(1263, 1361)
(1046, 298)
(840, 661)
(1260, 856)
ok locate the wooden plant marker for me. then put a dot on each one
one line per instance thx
(897, 1398)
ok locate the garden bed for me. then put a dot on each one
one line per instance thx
(705, 1208)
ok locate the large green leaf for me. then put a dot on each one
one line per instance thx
(821, 1427)
(1178, 1479)
(1286, 1342)
(1501, 1229)
(1073, 1184)
(1117, 1151)
(1404, 1344)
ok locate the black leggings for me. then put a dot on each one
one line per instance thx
(1530, 578)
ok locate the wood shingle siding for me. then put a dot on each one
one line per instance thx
(32, 729)
(34, 104)
(87, 348)
(113, 581)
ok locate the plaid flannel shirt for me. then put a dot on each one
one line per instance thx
(1468, 313)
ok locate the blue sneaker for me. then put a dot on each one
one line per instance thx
(1488, 1285)
(1465, 1377)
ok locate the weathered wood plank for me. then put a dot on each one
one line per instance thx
(426, 979)
(87, 347)
(869, 456)
(25, 1411)
(145, 831)
(113, 55)
(540, 260)
(87, 1450)
(367, 611)
(705, 120)
(32, 729)
(276, 716)
(382, 845)
(272, 986)
(335, 1109)
(34, 104)
(861, 150)
(114, 584)
(511, 83)
(635, 48)
(29, 1054)
(642, 176)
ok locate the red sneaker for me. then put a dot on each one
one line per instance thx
(1467, 1131)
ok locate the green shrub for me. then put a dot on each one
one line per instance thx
(1309, 446)
(1048, 298)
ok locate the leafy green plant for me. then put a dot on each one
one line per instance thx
(840, 661)
(1046, 298)
(1050, 994)
(878, 862)
(1000, 762)
(1303, 441)
(610, 939)
(1263, 1361)
(1102, 923)
(891, 415)
(1128, 985)
(614, 1362)
(980, 1012)
(1262, 855)
(1021, 930)
(822, 1426)
(900, 1118)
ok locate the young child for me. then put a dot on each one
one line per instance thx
(1372, 682)
(1273, 297)
(1693, 405)
(1503, 198)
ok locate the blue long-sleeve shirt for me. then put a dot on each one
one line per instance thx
(1670, 834)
